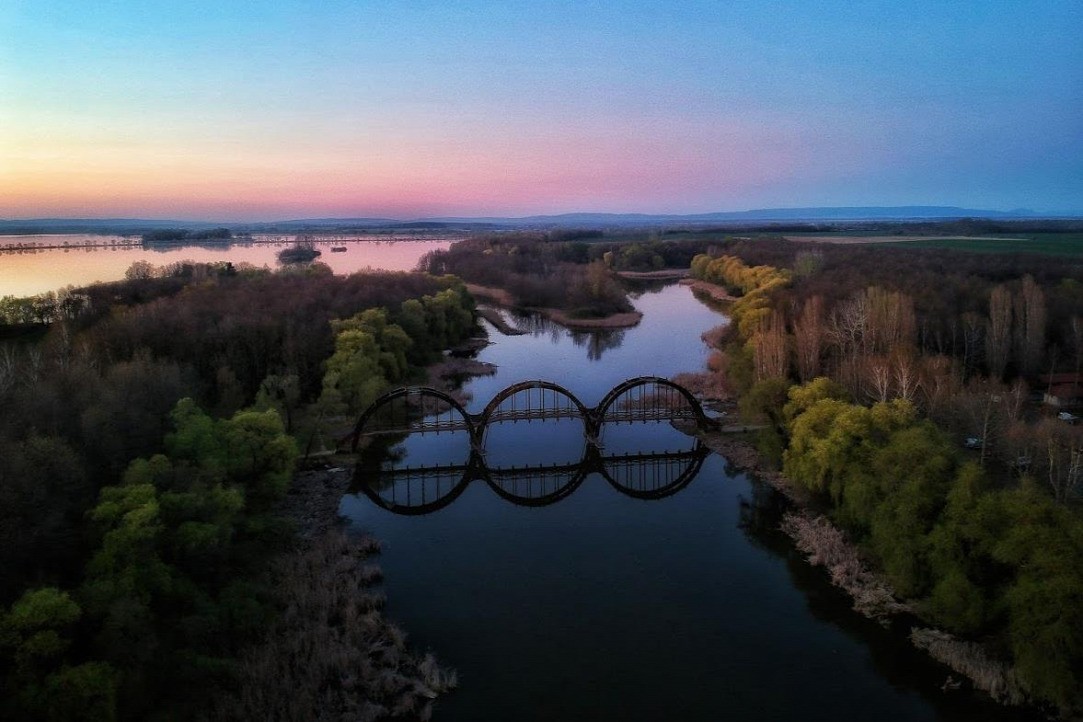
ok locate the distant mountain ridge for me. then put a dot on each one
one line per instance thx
(761, 215)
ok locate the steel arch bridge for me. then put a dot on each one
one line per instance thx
(420, 409)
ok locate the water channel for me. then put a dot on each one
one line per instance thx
(608, 605)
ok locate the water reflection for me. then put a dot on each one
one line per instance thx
(892, 656)
(37, 264)
(414, 490)
(597, 342)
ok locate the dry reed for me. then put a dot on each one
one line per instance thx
(827, 546)
(970, 660)
(330, 654)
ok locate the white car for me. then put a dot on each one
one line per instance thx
(1069, 418)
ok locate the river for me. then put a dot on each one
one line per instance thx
(607, 605)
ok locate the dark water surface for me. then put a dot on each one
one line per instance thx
(605, 606)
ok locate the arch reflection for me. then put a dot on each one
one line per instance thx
(419, 490)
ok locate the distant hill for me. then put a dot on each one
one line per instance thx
(766, 215)
(761, 215)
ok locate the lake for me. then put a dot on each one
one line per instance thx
(48, 262)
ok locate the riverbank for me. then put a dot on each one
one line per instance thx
(330, 648)
(826, 546)
(666, 274)
(714, 291)
(614, 321)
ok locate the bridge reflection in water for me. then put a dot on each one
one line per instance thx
(415, 490)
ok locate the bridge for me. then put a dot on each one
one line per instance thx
(423, 490)
(419, 409)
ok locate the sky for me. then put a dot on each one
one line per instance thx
(287, 109)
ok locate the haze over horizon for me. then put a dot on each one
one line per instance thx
(356, 109)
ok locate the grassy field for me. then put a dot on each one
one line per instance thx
(1052, 244)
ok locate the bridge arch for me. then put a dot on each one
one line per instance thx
(622, 388)
(694, 457)
(502, 484)
(410, 508)
(405, 393)
(490, 414)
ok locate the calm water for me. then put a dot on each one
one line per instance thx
(605, 606)
(32, 271)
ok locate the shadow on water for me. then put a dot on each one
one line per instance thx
(893, 657)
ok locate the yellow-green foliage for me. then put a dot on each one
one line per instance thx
(372, 352)
(753, 284)
(1005, 563)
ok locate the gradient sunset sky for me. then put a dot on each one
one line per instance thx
(271, 110)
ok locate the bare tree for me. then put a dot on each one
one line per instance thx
(892, 322)
(973, 333)
(849, 331)
(809, 333)
(939, 385)
(878, 378)
(905, 375)
(769, 347)
(998, 339)
(1062, 458)
(1076, 329)
(1030, 326)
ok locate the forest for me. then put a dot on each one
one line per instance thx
(151, 425)
(147, 441)
(905, 391)
(904, 388)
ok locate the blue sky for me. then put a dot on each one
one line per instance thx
(285, 109)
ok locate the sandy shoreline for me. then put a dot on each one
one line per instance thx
(714, 291)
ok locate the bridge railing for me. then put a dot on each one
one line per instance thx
(645, 398)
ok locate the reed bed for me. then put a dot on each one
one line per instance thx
(330, 654)
(970, 660)
(828, 547)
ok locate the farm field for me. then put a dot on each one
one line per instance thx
(1055, 244)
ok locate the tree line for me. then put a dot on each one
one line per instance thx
(870, 408)
(537, 272)
(144, 444)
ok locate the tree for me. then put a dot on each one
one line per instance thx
(140, 270)
(998, 338)
(1030, 321)
(808, 332)
(769, 348)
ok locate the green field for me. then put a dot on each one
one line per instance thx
(1052, 244)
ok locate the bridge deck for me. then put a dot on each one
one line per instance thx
(642, 399)
(512, 416)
